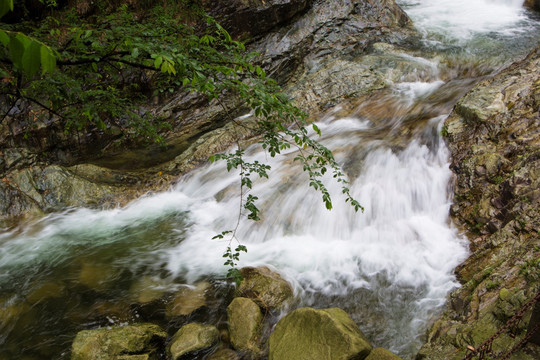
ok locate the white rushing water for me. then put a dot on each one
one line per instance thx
(390, 267)
(462, 20)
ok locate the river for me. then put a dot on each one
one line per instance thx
(390, 267)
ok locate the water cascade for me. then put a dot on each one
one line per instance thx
(390, 267)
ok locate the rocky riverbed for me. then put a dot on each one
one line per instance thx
(324, 54)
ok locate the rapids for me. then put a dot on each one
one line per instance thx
(390, 267)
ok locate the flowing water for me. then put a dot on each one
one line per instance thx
(390, 267)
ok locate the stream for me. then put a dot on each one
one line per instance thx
(390, 267)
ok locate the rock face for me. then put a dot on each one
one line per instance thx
(494, 137)
(191, 338)
(132, 342)
(250, 18)
(301, 42)
(245, 320)
(265, 287)
(310, 334)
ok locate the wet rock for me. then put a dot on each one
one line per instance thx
(265, 287)
(381, 354)
(493, 135)
(148, 289)
(56, 187)
(533, 4)
(46, 291)
(96, 276)
(312, 334)
(245, 320)
(248, 19)
(188, 299)
(191, 338)
(133, 342)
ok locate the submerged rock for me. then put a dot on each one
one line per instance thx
(133, 342)
(191, 338)
(310, 334)
(494, 138)
(148, 289)
(188, 299)
(265, 287)
(245, 320)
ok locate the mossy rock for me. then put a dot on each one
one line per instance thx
(266, 287)
(133, 340)
(311, 334)
(382, 354)
(245, 320)
(191, 338)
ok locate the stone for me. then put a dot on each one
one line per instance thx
(148, 289)
(264, 286)
(188, 299)
(382, 354)
(191, 338)
(45, 291)
(133, 342)
(96, 276)
(311, 334)
(245, 319)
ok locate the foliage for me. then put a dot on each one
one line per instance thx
(97, 71)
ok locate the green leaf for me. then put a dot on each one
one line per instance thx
(5, 7)
(32, 58)
(16, 51)
(48, 60)
(135, 53)
(4, 38)
(158, 61)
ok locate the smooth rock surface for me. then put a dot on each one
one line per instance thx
(310, 334)
(245, 320)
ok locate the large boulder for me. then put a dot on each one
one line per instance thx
(245, 320)
(133, 342)
(266, 287)
(192, 338)
(493, 135)
(310, 334)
